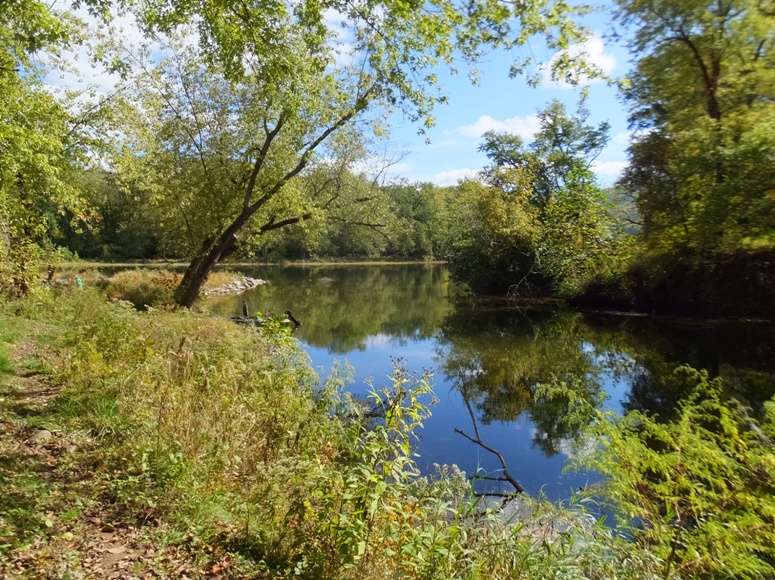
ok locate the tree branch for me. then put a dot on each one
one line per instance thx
(478, 440)
(373, 227)
(273, 225)
(709, 80)
(270, 137)
(360, 104)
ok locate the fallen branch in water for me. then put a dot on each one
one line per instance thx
(478, 440)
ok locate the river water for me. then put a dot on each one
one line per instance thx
(489, 357)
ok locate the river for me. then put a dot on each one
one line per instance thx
(490, 356)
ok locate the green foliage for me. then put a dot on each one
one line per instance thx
(225, 435)
(229, 128)
(540, 223)
(702, 86)
(42, 145)
(700, 488)
(34, 167)
(117, 224)
(496, 248)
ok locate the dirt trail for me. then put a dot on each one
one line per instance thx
(56, 520)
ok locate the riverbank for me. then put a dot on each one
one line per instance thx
(173, 445)
(249, 264)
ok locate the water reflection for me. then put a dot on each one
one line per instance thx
(495, 358)
(343, 308)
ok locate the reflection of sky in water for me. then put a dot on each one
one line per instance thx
(438, 441)
(372, 315)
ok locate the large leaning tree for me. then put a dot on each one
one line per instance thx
(268, 90)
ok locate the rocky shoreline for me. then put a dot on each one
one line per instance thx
(235, 287)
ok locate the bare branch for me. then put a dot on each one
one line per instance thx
(478, 440)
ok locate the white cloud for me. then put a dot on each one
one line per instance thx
(379, 340)
(525, 127)
(593, 51)
(627, 137)
(80, 71)
(343, 53)
(333, 18)
(444, 178)
(340, 37)
(613, 168)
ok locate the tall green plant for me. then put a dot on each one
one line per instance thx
(699, 491)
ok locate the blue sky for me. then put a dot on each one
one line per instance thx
(509, 105)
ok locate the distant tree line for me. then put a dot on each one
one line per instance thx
(238, 134)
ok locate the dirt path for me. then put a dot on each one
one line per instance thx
(56, 517)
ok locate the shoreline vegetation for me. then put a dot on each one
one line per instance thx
(140, 438)
(174, 444)
(250, 264)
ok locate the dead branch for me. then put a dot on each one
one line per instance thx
(478, 440)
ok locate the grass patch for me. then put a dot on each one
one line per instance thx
(144, 288)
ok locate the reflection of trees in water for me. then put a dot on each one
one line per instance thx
(742, 354)
(498, 358)
(341, 307)
(503, 354)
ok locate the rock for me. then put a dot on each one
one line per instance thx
(235, 287)
(42, 436)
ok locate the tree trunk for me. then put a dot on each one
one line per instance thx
(209, 255)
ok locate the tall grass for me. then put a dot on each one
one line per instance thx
(144, 287)
(226, 431)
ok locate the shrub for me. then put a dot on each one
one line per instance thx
(701, 488)
(144, 288)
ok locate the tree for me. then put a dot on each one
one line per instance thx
(116, 223)
(702, 93)
(36, 145)
(420, 209)
(270, 72)
(46, 141)
(539, 220)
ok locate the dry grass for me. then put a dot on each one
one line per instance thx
(156, 288)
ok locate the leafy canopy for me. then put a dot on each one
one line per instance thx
(703, 89)
(539, 220)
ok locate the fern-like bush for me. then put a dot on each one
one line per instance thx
(698, 492)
